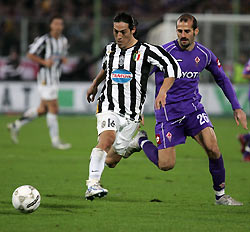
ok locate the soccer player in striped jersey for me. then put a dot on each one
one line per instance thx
(49, 51)
(125, 70)
(184, 115)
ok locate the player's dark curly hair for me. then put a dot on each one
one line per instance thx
(126, 18)
(185, 17)
(56, 16)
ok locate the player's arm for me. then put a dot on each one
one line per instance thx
(167, 64)
(64, 59)
(92, 90)
(47, 63)
(160, 100)
(225, 84)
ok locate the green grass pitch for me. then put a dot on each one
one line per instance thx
(186, 198)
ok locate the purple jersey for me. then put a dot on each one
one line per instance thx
(184, 98)
(246, 71)
(247, 68)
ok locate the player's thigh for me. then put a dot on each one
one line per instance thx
(107, 126)
(169, 134)
(166, 158)
(124, 135)
(52, 106)
(42, 108)
(199, 126)
(207, 139)
(106, 140)
(197, 121)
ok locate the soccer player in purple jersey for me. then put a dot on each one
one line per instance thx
(181, 114)
(245, 139)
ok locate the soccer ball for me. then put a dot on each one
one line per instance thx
(26, 199)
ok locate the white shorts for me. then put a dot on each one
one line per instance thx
(125, 129)
(48, 92)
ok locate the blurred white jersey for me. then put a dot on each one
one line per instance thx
(49, 47)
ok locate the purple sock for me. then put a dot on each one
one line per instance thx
(150, 150)
(246, 137)
(217, 170)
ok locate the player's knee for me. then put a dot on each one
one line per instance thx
(105, 145)
(166, 166)
(111, 164)
(213, 152)
(41, 110)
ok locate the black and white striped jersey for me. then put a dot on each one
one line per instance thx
(47, 47)
(127, 72)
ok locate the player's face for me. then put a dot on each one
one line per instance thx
(123, 35)
(186, 34)
(56, 26)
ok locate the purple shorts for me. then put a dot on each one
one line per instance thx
(174, 132)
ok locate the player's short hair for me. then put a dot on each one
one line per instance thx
(185, 17)
(126, 18)
(56, 16)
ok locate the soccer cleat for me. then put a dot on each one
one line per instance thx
(246, 156)
(243, 143)
(134, 144)
(227, 200)
(13, 132)
(61, 146)
(94, 191)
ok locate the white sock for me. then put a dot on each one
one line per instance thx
(53, 127)
(96, 165)
(27, 117)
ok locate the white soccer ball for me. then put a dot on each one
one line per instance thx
(26, 198)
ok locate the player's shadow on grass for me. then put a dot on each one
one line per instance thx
(62, 207)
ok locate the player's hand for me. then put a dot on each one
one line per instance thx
(240, 118)
(48, 63)
(160, 100)
(142, 121)
(92, 91)
(64, 60)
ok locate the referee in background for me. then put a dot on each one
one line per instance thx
(49, 52)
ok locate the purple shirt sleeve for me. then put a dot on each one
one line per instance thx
(223, 81)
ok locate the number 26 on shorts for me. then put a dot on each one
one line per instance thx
(203, 118)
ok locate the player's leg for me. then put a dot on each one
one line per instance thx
(112, 158)
(163, 158)
(207, 139)
(99, 153)
(123, 139)
(168, 135)
(27, 117)
(244, 140)
(52, 123)
(107, 125)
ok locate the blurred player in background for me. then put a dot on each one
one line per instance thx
(49, 51)
(183, 114)
(245, 138)
(125, 69)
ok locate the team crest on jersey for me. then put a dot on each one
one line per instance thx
(197, 60)
(103, 124)
(169, 136)
(121, 76)
(136, 56)
(158, 139)
(218, 63)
